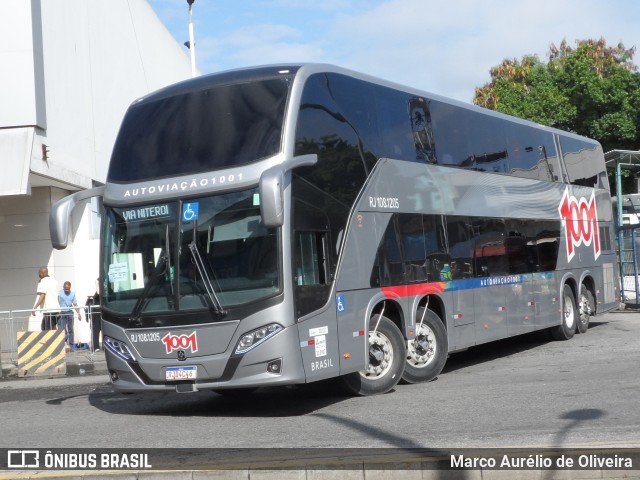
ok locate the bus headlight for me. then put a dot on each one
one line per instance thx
(255, 337)
(119, 348)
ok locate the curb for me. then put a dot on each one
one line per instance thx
(78, 364)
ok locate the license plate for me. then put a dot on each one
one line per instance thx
(181, 373)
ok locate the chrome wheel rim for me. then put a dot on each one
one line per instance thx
(422, 350)
(569, 314)
(380, 356)
(585, 308)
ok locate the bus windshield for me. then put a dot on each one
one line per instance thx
(204, 253)
(200, 131)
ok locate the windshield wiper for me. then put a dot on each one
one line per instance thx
(134, 318)
(204, 274)
(164, 262)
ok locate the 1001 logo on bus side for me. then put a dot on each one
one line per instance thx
(580, 222)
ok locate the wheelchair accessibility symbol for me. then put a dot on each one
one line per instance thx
(190, 212)
(340, 304)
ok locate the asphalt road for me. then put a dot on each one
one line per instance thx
(524, 392)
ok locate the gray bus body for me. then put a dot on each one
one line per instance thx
(258, 224)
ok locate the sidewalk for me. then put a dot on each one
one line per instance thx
(79, 363)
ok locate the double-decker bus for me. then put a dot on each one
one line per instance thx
(286, 224)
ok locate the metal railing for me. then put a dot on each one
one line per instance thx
(6, 329)
(13, 321)
(628, 253)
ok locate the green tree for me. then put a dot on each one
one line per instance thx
(592, 89)
(526, 89)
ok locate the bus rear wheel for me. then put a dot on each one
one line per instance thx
(386, 360)
(427, 352)
(587, 308)
(569, 314)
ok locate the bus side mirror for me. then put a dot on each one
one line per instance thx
(271, 196)
(271, 189)
(61, 214)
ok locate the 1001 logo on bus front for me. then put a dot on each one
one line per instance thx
(580, 222)
(180, 342)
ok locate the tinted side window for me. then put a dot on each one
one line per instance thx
(532, 152)
(489, 247)
(584, 162)
(605, 239)
(423, 246)
(354, 102)
(468, 139)
(395, 125)
(413, 246)
(477, 141)
(547, 242)
(389, 258)
(518, 245)
(460, 239)
(333, 131)
(422, 128)
(333, 123)
(412, 250)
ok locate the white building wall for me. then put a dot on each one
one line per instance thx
(99, 56)
(23, 243)
(75, 66)
(21, 60)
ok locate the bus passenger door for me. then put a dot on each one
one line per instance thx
(317, 326)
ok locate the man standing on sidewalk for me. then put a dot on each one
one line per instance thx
(47, 300)
(67, 300)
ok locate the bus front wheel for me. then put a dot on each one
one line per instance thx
(427, 352)
(569, 314)
(386, 360)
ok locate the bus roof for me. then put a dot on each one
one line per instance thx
(304, 70)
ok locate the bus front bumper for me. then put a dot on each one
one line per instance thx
(274, 362)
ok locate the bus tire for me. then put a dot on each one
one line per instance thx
(569, 316)
(427, 352)
(386, 360)
(587, 308)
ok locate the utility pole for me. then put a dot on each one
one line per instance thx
(192, 43)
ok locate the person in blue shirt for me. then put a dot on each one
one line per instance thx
(67, 300)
